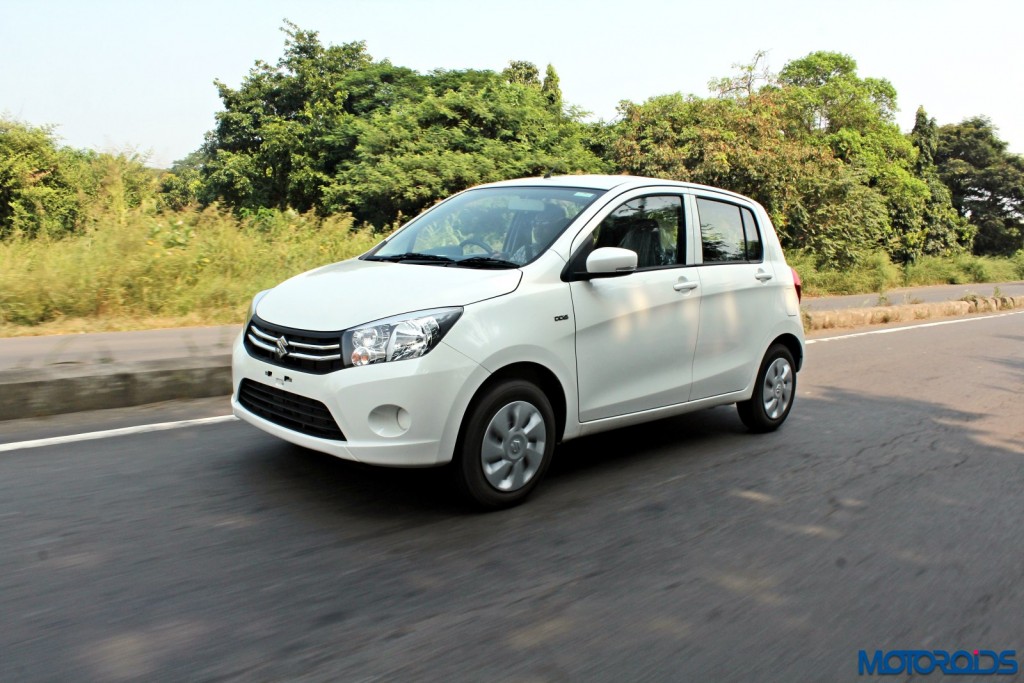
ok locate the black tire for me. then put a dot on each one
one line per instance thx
(505, 445)
(774, 392)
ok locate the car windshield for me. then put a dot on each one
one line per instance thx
(489, 227)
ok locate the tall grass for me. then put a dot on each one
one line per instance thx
(193, 266)
(874, 274)
(931, 270)
(878, 274)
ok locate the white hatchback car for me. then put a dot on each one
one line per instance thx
(519, 314)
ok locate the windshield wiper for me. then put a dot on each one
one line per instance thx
(411, 256)
(485, 262)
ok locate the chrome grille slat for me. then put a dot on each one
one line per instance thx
(314, 347)
(260, 344)
(260, 333)
(303, 356)
(317, 353)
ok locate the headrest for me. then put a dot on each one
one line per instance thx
(644, 224)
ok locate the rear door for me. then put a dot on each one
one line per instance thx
(737, 295)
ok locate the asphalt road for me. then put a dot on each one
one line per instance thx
(888, 513)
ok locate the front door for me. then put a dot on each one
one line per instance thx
(636, 334)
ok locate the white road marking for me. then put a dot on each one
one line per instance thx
(106, 433)
(890, 330)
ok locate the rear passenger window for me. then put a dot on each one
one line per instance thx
(728, 233)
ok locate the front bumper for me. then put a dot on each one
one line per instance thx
(401, 414)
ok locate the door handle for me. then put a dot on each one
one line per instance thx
(763, 276)
(684, 285)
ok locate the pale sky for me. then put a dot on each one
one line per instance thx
(138, 75)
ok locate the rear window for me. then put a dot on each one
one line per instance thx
(728, 233)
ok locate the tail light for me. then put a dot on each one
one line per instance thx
(797, 284)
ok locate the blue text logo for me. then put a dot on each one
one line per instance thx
(961, 662)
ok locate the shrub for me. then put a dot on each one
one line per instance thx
(202, 265)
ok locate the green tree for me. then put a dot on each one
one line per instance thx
(522, 73)
(986, 183)
(925, 137)
(814, 199)
(284, 132)
(552, 90)
(948, 231)
(854, 116)
(828, 95)
(408, 157)
(49, 189)
(182, 185)
(331, 129)
(36, 194)
(817, 146)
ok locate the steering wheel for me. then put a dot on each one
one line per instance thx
(476, 243)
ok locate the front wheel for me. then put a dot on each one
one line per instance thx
(774, 391)
(506, 444)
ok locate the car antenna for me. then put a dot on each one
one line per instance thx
(548, 174)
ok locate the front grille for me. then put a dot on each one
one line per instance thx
(289, 410)
(314, 352)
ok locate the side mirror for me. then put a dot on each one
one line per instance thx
(610, 262)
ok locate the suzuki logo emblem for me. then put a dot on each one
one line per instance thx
(282, 348)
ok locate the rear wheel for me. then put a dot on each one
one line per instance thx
(774, 391)
(506, 445)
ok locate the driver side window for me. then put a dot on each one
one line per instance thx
(651, 226)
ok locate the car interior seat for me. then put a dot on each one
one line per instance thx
(644, 237)
(546, 225)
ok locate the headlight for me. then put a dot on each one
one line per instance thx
(400, 338)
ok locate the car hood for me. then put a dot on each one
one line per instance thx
(354, 292)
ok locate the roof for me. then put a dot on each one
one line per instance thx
(608, 182)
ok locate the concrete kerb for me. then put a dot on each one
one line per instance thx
(72, 388)
(877, 315)
(54, 391)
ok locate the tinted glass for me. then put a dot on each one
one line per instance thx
(755, 252)
(650, 226)
(721, 231)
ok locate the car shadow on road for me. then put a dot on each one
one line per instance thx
(821, 428)
(833, 430)
(353, 488)
(364, 490)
